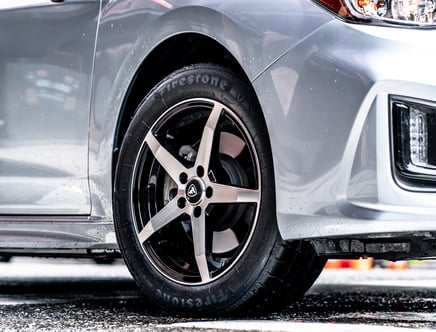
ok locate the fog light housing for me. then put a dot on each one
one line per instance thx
(414, 140)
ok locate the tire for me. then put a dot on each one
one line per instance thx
(194, 203)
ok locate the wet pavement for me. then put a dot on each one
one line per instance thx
(74, 295)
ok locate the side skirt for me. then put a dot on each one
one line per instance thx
(56, 235)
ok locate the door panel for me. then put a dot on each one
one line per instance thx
(46, 60)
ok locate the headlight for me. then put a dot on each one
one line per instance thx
(410, 12)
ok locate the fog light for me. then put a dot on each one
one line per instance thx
(418, 137)
(414, 139)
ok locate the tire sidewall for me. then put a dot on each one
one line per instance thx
(233, 288)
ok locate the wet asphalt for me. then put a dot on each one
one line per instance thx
(79, 295)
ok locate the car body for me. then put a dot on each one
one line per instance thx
(331, 146)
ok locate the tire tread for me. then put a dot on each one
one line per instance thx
(291, 270)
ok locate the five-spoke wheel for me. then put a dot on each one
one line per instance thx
(196, 191)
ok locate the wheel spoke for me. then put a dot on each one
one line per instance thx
(199, 239)
(167, 214)
(229, 194)
(205, 149)
(171, 165)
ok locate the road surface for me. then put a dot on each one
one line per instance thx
(79, 295)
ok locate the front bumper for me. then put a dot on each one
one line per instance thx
(328, 111)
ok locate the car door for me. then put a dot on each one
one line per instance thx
(46, 61)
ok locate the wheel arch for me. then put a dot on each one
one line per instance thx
(164, 59)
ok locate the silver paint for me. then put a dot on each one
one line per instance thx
(323, 86)
(46, 63)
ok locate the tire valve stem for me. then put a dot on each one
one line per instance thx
(212, 176)
(188, 153)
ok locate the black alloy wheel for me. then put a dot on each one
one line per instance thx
(194, 202)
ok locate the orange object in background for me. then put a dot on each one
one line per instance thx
(398, 265)
(362, 263)
(359, 264)
(333, 264)
(368, 264)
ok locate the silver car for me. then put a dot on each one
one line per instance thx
(225, 148)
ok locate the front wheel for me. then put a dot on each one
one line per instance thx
(194, 202)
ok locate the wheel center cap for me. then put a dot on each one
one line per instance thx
(194, 191)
